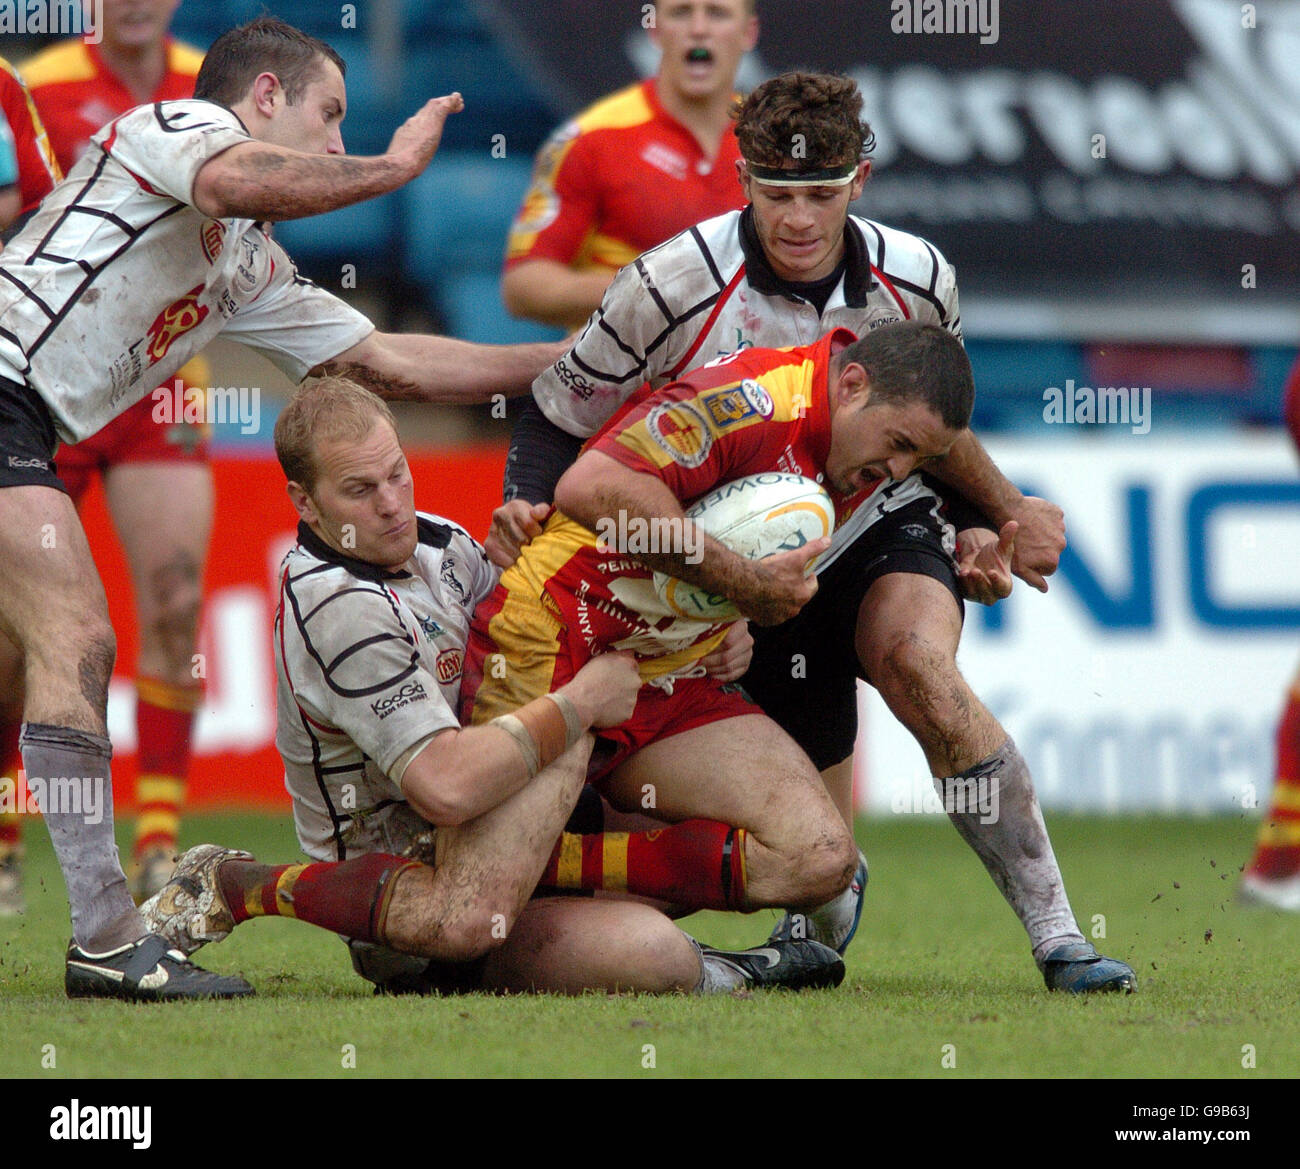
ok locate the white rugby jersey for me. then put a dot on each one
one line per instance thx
(368, 664)
(709, 292)
(119, 280)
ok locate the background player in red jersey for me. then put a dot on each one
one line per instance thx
(156, 476)
(635, 168)
(1273, 875)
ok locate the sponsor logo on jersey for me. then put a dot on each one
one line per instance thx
(177, 319)
(665, 159)
(247, 278)
(449, 665)
(212, 235)
(758, 397)
(574, 380)
(28, 464)
(681, 431)
(430, 626)
(879, 317)
(727, 407)
(448, 577)
(413, 691)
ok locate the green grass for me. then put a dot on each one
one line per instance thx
(940, 961)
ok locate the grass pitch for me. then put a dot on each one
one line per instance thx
(939, 983)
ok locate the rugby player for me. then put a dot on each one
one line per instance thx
(753, 825)
(788, 267)
(152, 246)
(30, 173)
(635, 168)
(1273, 876)
(156, 476)
(375, 605)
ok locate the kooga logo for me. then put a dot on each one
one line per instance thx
(413, 691)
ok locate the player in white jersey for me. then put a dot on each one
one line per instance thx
(889, 607)
(152, 245)
(376, 603)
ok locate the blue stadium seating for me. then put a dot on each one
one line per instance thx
(470, 304)
(457, 214)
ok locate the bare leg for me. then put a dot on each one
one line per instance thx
(567, 945)
(749, 773)
(52, 607)
(486, 869)
(163, 516)
(908, 630)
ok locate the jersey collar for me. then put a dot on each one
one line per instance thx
(819, 413)
(858, 280)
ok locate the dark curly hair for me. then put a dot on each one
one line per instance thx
(820, 113)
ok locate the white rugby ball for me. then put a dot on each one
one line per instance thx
(755, 517)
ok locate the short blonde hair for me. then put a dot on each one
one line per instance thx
(328, 408)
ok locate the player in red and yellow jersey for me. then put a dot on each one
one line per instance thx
(634, 169)
(37, 169)
(156, 476)
(1273, 875)
(745, 802)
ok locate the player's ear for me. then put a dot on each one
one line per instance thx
(864, 171)
(266, 94)
(742, 176)
(302, 502)
(852, 386)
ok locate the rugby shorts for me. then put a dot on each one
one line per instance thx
(813, 697)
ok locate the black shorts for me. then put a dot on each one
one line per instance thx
(813, 697)
(27, 439)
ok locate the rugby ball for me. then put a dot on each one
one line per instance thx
(755, 517)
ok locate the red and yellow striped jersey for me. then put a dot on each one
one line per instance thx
(37, 169)
(76, 92)
(619, 179)
(761, 410)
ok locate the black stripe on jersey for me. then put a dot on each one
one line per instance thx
(708, 259)
(325, 670)
(433, 534)
(332, 596)
(934, 266)
(355, 648)
(648, 284)
(75, 298)
(170, 126)
(18, 345)
(317, 767)
(879, 260)
(924, 294)
(27, 292)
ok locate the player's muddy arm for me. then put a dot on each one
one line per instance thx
(1041, 524)
(425, 368)
(597, 491)
(258, 180)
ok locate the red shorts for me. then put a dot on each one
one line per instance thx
(132, 437)
(518, 651)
